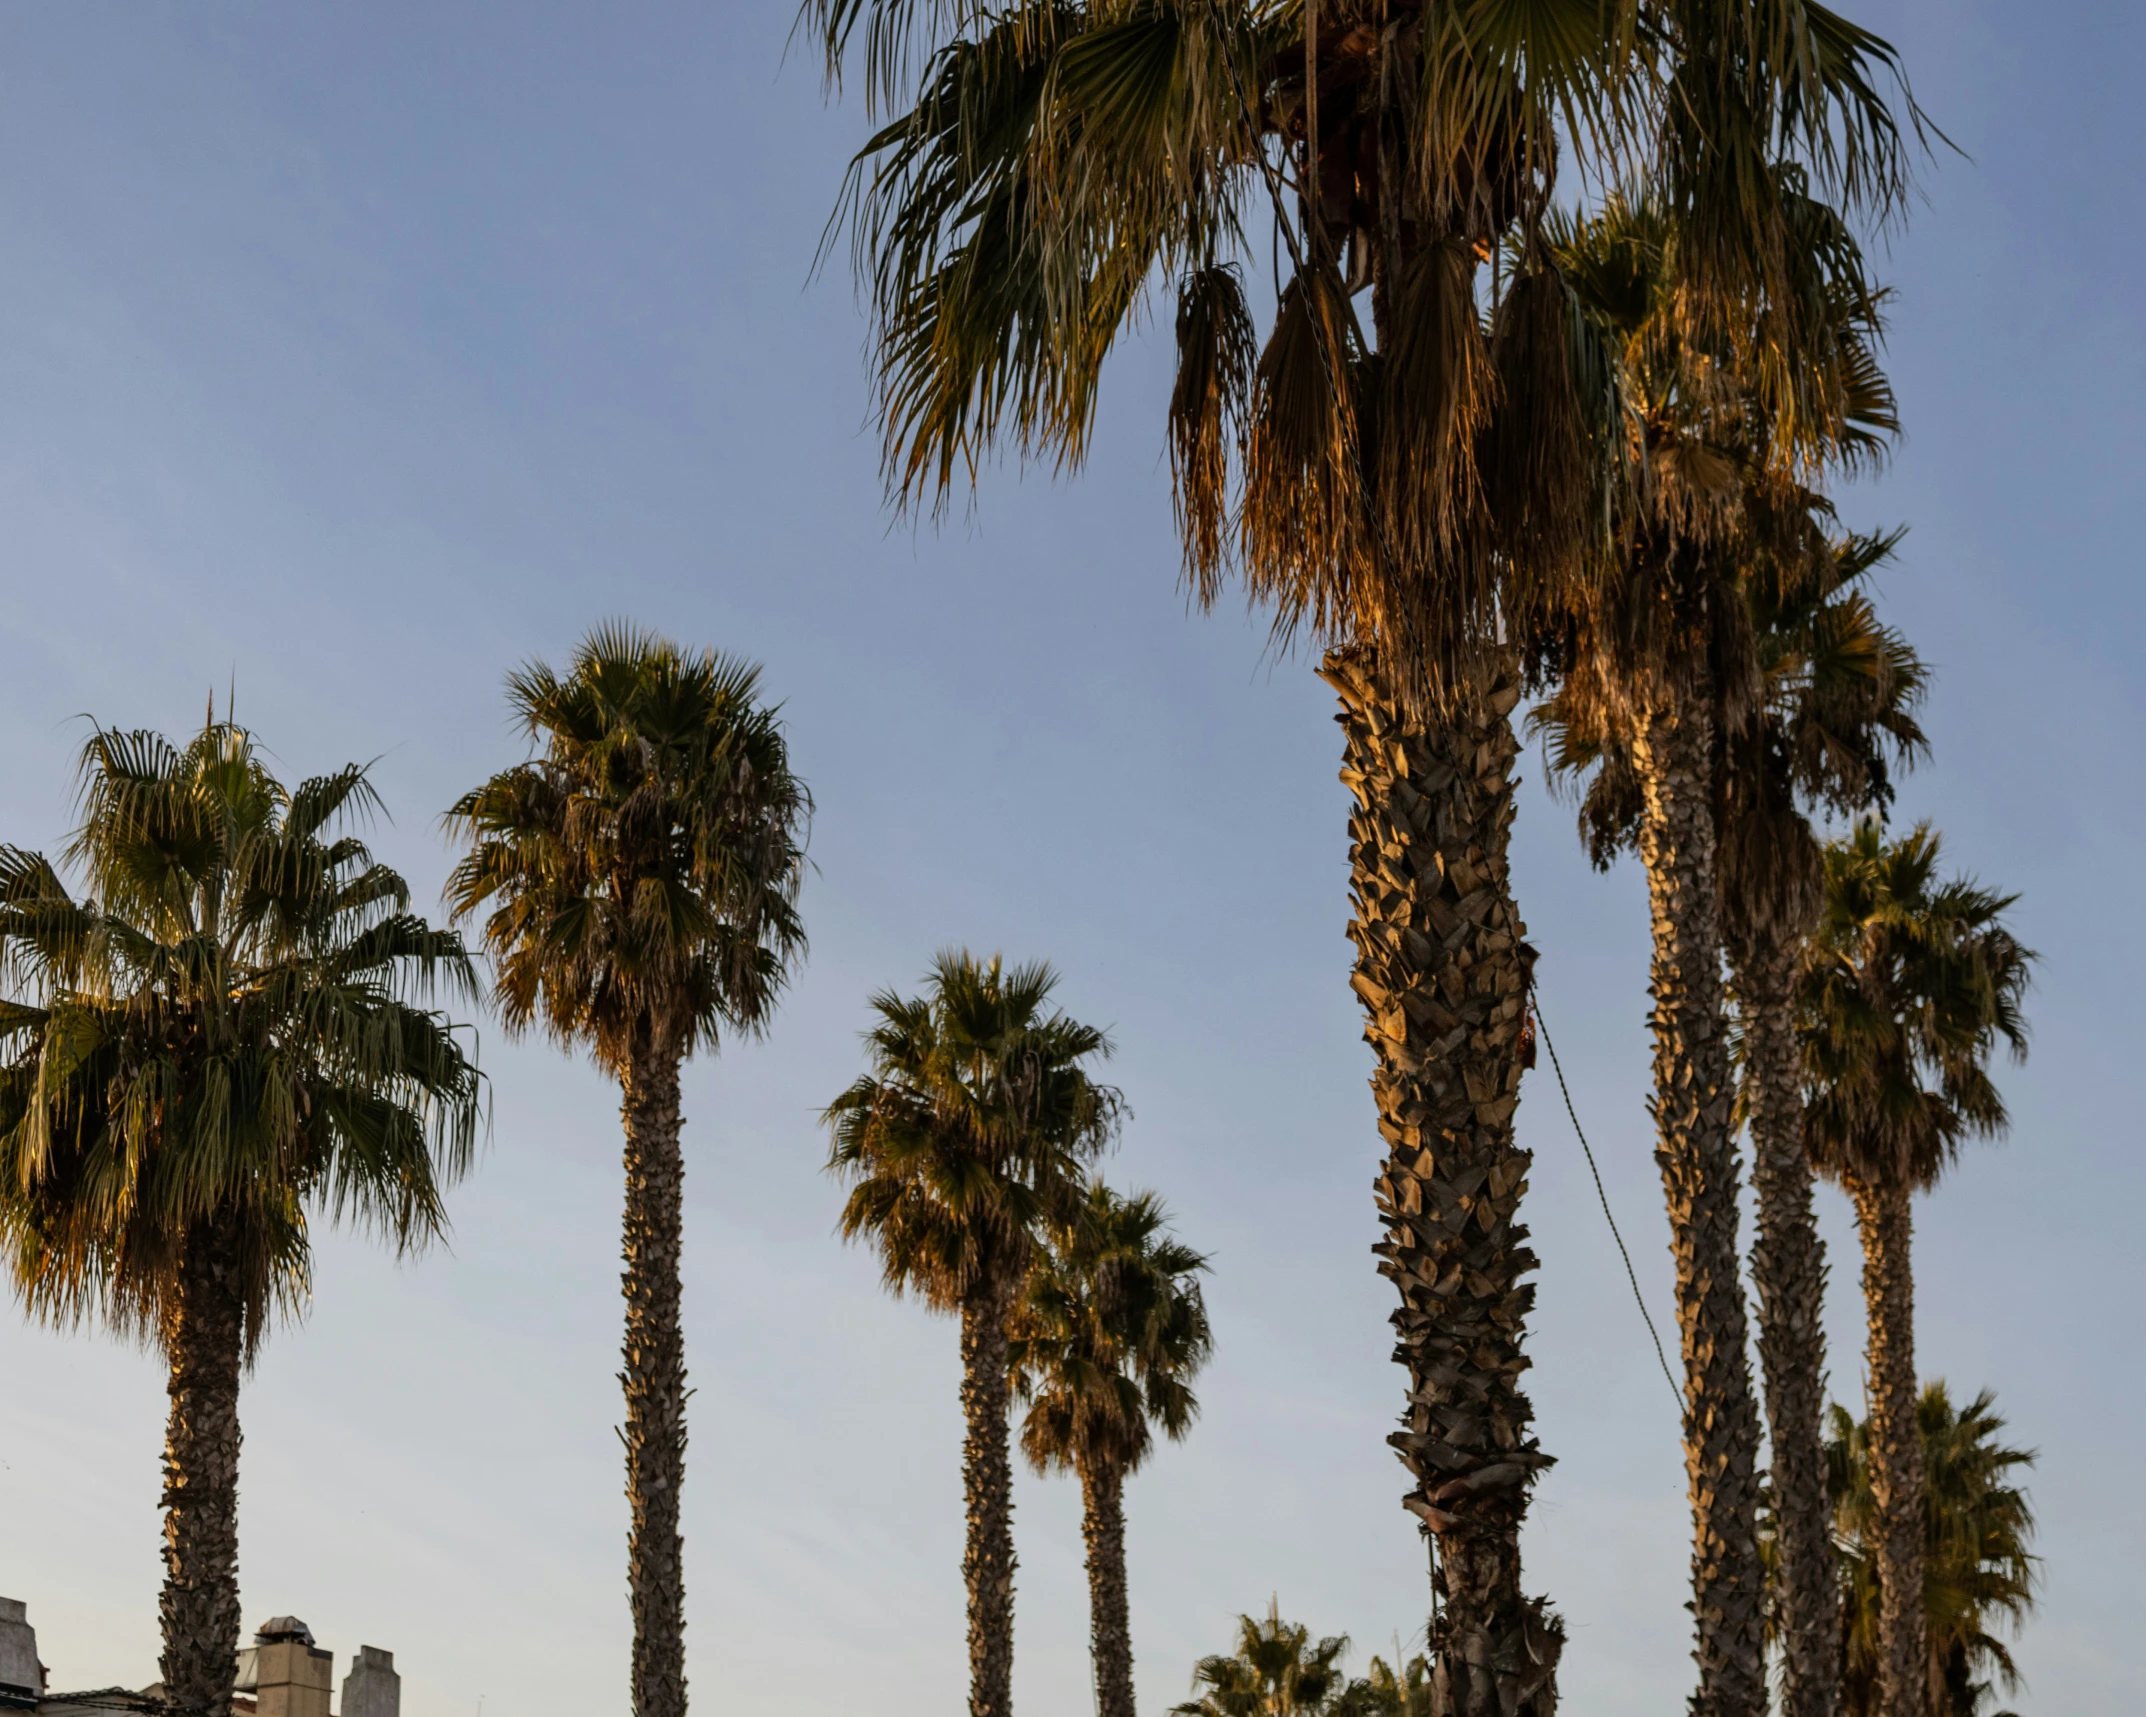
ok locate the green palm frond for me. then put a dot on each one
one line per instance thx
(639, 877)
(971, 1130)
(226, 1027)
(1278, 1670)
(1979, 1574)
(1911, 984)
(1110, 1332)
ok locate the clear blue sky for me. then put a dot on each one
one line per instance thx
(361, 352)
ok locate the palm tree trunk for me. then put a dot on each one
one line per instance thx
(204, 1342)
(987, 1483)
(654, 1378)
(1788, 1273)
(1693, 1116)
(1442, 973)
(1110, 1628)
(1896, 1456)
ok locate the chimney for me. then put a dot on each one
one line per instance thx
(292, 1674)
(22, 1677)
(372, 1688)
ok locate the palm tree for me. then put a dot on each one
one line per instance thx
(220, 1034)
(1407, 496)
(1278, 1670)
(968, 1136)
(1835, 711)
(1978, 1573)
(1910, 984)
(1667, 686)
(639, 877)
(1385, 1691)
(1106, 1342)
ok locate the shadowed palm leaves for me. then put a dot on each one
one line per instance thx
(965, 1140)
(1978, 1573)
(1278, 1670)
(224, 1030)
(639, 878)
(1106, 1342)
(1910, 985)
(1389, 1692)
(1407, 495)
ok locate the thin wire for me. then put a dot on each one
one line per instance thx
(1632, 1276)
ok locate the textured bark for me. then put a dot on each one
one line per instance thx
(1895, 1450)
(1788, 1275)
(1110, 1627)
(1693, 1115)
(1442, 973)
(204, 1342)
(654, 1379)
(987, 1484)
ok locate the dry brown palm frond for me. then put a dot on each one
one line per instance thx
(1554, 418)
(1697, 489)
(1772, 870)
(1216, 351)
(1305, 526)
(1436, 390)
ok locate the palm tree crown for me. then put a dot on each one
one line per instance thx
(971, 1130)
(1278, 1670)
(227, 1024)
(1978, 1573)
(643, 870)
(1109, 1335)
(1912, 982)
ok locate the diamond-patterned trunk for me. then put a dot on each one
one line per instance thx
(987, 1483)
(204, 1343)
(1110, 1631)
(654, 1378)
(1886, 1218)
(1696, 1150)
(1441, 970)
(1788, 1276)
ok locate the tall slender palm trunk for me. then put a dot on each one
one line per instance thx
(1693, 1117)
(1110, 1627)
(204, 1342)
(1884, 1215)
(654, 1378)
(987, 1483)
(1441, 970)
(1788, 1272)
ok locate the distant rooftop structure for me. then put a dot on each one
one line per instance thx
(22, 1678)
(282, 1674)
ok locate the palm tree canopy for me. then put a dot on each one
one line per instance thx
(1109, 1335)
(642, 871)
(1978, 1572)
(971, 1130)
(1715, 552)
(1910, 983)
(1278, 1670)
(1829, 716)
(226, 1023)
(1051, 163)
